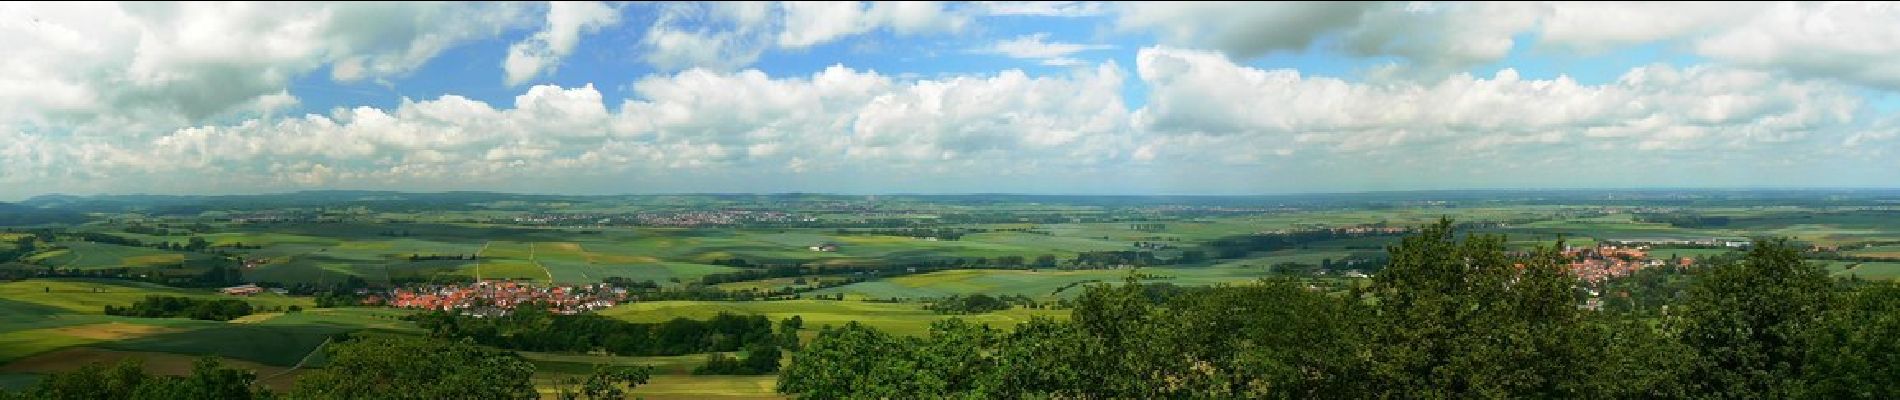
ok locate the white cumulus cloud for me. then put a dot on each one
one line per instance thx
(543, 51)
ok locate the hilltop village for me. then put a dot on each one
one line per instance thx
(495, 298)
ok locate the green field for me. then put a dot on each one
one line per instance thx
(901, 318)
(672, 376)
(1689, 253)
(1872, 270)
(1042, 284)
(89, 255)
(43, 315)
(91, 296)
(1888, 251)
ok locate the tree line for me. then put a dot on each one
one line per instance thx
(359, 367)
(186, 307)
(536, 329)
(1447, 318)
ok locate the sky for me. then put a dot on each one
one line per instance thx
(921, 97)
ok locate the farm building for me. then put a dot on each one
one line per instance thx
(244, 290)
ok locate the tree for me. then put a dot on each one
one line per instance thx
(1854, 353)
(1192, 257)
(762, 358)
(788, 331)
(852, 361)
(1045, 261)
(1745, 321)
(1009, 261)
(395, 367)
(209, 379)
(606, 382)
(1458, 319)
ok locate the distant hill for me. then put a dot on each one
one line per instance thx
(17, 214)
(469, 200)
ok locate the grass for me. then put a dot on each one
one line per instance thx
(1888, 251)
(899, 318)
(34, 320)
(1872, 270)
(1689, 253)
(17, 381)
(154, 363)
(89, 255)
(20, 344)
(1043, 284)
(91, 296)
(272, 344)
(709, 386)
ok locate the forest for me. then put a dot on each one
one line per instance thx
(535, 329)
(1447, 318)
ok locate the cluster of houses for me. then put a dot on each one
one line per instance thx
(251, 290)
(667, 218)
(1351, 230)
(495, 298)
(717, 217)
(1605, 261)
(265, 217)
(1367, 230)
(1707, 242)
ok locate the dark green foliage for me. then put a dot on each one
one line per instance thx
(173, 307)
(389, 367)
(209, 379)
(21, 247)
(973, 304)
(1855, 352)
(1222, 342)
(1460, 319)
(788, 331)
(759, 359)
(606, 382)
(1745, 321)
(860, 362)
(16, 214)
(534, 329)
(1045, 261)
(1691, 221)
(1449, 317)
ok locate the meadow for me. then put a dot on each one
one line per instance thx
(50, 325)
(900, 318)
(1043, 284)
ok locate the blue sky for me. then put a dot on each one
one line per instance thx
(1034, 97)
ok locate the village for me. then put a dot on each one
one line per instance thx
(498, 298)
(1593, 265)
(684, 218)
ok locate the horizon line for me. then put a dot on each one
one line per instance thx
(1071, 194)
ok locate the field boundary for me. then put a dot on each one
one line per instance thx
(544, 268)
(293, 368)
(478, 260)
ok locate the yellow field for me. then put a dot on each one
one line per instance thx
(47, 255)
(111, 331)
(155, 259)
(24, 343)
(705, 386)
(259, 317)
